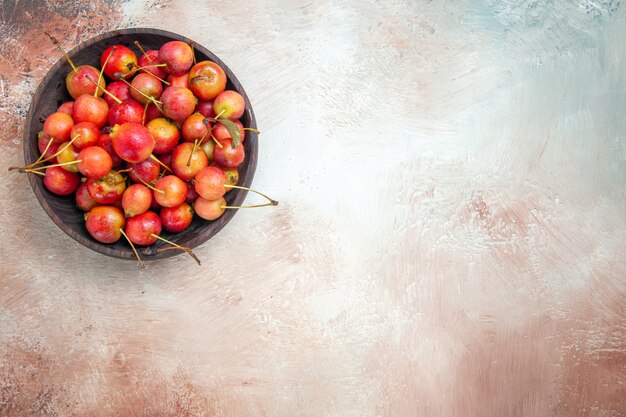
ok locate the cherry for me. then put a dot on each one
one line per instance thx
(209, 183)
(145, 172)
(108, 189)
(176, 219)
(205, 108)
(152, 112)
(86, 134)
(143, 228)
(230, 104)
(58, 126)
(90, 109)
(104, 223)
(105, 143)
(188, 160)
(194, 128)
(228, 156)
(177, 55)
(179, 80)
(95, 162)
(165, 133)
(191, 195)
(67, 154)
(207, 79)
(209, 209)
(147, 84)
(60, 181)
(83, 199)
(220, 132)
(118, 89)
(66, 107)
(121, 60)
(178, 103)
(170, 191)
(133, 142)
(128, 111)
(46, 144)
(208, 146)
(148, 62)
(136, 200)
(232, 174)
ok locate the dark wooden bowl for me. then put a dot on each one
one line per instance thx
(52, 92)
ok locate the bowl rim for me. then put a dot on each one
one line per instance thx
(200, 238)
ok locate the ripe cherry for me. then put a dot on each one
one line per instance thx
(228, 156)
(104, 223)
(146, 171)
(165, 133)
(176, 219)
(121, 60)
(86, 134)
(194, 128)
(188, 160)
(105, 143)
(58, 126)
(108, 189)
(83, 199)
(144, 228)
(177, 55)
(47, 146)
(119, 90)
(170, 191)
(209, 209)
(128, 111)
(88, 108)
(95, 162)
(68, 153)
(66, 107)
(147, 84)
(205, 108)
(136, 200)
(207, 79)
(230, 104)
(178, 103)
(179, 80)
(133, 142)
(60, 181)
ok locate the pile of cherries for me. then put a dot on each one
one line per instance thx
(143, 152)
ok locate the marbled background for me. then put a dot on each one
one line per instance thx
(450, 239)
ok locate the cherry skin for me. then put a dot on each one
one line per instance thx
(95, 162)
(83, 199)
(88, 108)
(178, 103)
(153, 112)
(128, 111)
(148, 85)
(191, 195)
(58, 126)
(165, 133)
(208, 146)
(133, 142)
(171, 191)
(194, 128)
(146, 171)
(68, 153)
(66, 107)
(60, 181)
(232, 175)
(205, 108)
(177, 55)
(86, 134)
(179, 80)
(42, 144)
(228, 156)
(207, 79)
(176, 219)
(119, 89)
(209, 183)
(122, 60)
(142, 229)
(104, 223)
(108, 189)
(230, 105)
(105, 143)
(149, 59)
(78, 83)
(185, 167)
(221, 133)
(209, 209)
(136, 200)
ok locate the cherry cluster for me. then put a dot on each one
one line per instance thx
(146, 143)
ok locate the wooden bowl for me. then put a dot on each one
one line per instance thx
(62, 209)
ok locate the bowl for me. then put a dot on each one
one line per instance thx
(62, 209)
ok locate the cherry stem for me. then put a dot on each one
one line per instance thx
(43, 153)
(145, 111)
(217, 142)
(251, 129)
(56, 43)
(155, 65)
(138, 45)
(150, 186)
(117, 100)
(195, 146)
(272, 202)
(95, 93)
(120, 77)
(219, 114)
(141, 265)
(50, 166)
(67, 145)
(161, 163)
(183, 248)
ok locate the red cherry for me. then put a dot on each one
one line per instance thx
(60, 181)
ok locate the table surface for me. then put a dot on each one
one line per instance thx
(450, 239)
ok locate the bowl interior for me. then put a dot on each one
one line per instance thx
(52, 92)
